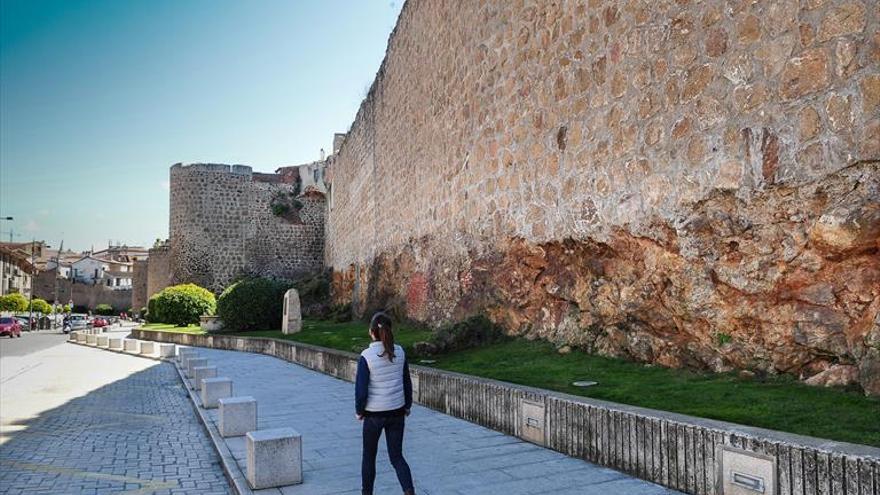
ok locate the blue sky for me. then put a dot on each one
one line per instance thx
(99, 98)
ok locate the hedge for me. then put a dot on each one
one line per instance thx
(181, 305)
(104, 310)
(41, 306)
(253, 304)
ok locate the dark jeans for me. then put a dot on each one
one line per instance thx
(393, 426)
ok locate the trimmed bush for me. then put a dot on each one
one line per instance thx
(181, 305)
(104, 310)
(13, 302)
(253, 304)
(41, 306)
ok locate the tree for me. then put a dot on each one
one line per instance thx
(41, 306)
(14, 302)
(104, 310)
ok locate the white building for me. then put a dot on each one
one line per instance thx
(93, 271)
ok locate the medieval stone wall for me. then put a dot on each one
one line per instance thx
(139, 284)
(688, 183)
(222, 226)
(158, 270)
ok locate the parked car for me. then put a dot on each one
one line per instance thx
(27, 323)
(10, 326)
(78, 321)
(100, 322)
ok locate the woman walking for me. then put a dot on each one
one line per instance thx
(383, 398)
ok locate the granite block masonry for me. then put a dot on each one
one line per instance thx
(691, 184)
(274, 458)
(199, 373)
(238, 415)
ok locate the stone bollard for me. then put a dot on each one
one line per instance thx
(81, 337)
(214, 389)
(131, 345)
(92, 339)
(103, 340)
(184, 352)
(148, 348)
(72, 336)
(115, 343)
(192, 363)
(200, 373)
(166, 350)
(274, 458)
(238, 415)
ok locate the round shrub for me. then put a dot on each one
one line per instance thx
(253, 304)
(13, 302)
(104, 310)
(181, 305)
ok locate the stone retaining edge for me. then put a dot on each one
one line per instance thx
(675, 450)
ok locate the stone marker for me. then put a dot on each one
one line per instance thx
(148, 348)
(214, 389)
(166, 350)
(131, 345)
(103, 340)
(192, 363)
(274, 458)
(183, 353)
(238, 415)
(81, 337)
(92, 339)
(291, 322)
(72, 336)
(199, 373)
(115, 343)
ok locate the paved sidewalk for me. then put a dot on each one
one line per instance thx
(80, 420)
(447, 455)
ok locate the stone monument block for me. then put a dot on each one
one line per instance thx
(532, 421)
(292, 320)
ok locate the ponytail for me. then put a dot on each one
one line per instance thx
(380, 327)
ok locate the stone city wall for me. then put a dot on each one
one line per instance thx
(158, 270)
(81, 294)
(691, 184)
(139, 284)
(223, 226)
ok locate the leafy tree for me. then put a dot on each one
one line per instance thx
(41, 306)
(104, 310)
(14, 302)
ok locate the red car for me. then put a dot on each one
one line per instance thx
(99, 322)
(10, 326)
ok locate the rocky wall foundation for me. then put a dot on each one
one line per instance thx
(788, 281)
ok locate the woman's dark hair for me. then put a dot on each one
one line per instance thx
(380, 327)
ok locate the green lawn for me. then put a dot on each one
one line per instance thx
(167, 327)
(778, 403)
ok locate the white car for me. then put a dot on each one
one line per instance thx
(78, 322)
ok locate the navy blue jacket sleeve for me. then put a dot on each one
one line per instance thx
(407, 386)
(361, 386)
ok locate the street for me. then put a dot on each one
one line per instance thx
(30, 342)
(80, 420)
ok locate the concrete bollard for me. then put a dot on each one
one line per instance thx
(214, 389)
(115, 343)
(238, 415)
(81, 337)
(148, 348)
(103, 341)
(131, 345)
(200, 373)
(72, 336)
(274, 458)
(92, 339)
(185, 352)
(192, 363)
(166, 350)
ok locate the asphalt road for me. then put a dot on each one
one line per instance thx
(30, 342)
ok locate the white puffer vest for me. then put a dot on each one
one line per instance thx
(385, 392)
